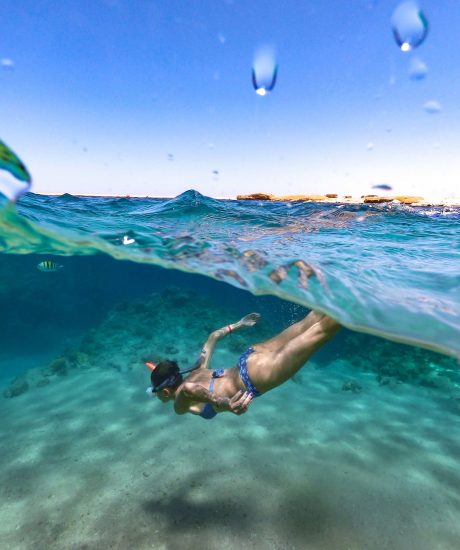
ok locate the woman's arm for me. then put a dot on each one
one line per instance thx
(208, 348)
(191, 392)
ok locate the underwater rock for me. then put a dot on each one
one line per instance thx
(58, 367)
(352, 386)
(387, 381)
(17, 387)
(42, 382)
(399, 363)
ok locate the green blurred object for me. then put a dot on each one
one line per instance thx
(10, 162)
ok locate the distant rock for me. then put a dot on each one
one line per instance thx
(255, 197)
(407, 199)
(374, 199)
(331, 195)
(314, 198)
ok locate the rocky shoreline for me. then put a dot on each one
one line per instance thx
(411, 200)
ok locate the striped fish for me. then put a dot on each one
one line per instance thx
(49, 266)
(13, 164)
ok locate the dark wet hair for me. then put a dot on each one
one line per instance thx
(164, 370)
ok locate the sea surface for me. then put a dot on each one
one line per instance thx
(392, 271)
(91, 286)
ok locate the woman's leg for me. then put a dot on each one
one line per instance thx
(281, 339)
(269, 369)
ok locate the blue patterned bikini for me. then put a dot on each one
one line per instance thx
(208, 411)
(243, 368)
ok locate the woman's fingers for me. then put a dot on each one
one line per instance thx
(241, 402)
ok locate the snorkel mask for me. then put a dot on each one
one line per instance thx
(168, 382)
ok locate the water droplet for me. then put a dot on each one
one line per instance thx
(417, 69)
(7, 64)
(410, 26)
(264, 71)
(370, 146)
(382, 186)
(432, 107)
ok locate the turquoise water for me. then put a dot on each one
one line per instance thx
(386, 270)
(375, 411)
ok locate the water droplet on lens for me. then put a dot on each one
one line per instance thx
(382, 186)
(410, 26)
(7, 64)
(264, 71)
(432, 107)
(370, 146)
(417, 69)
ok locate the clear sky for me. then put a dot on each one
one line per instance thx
(155, 97)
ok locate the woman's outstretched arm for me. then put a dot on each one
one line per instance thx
(208, 348)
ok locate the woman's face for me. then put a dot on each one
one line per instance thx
(165, 395)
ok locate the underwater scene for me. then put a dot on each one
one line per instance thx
(357, 449)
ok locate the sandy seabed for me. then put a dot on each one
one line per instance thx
(90, 462)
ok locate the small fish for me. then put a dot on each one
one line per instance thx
(49, 266)
(13, 164)
(383, 187)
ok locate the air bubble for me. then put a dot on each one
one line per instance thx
(410, 26)
(417, 69)
(264, 71)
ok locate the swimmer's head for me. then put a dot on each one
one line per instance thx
(165, 379)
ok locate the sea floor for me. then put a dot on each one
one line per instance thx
(90, 462)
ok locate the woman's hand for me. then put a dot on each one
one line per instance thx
(240, 402)
(250, 320)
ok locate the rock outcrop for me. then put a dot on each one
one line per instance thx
(255, 197)
(333, 197)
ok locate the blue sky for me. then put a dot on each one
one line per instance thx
(155, 97)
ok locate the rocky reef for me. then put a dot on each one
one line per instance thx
(173, 324)
(397, 363)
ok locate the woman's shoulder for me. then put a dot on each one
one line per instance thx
(199, 375)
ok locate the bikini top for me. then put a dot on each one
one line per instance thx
(208, 411)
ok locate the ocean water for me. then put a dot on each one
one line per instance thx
(359, 450)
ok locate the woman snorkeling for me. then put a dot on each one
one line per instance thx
(261, 368)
